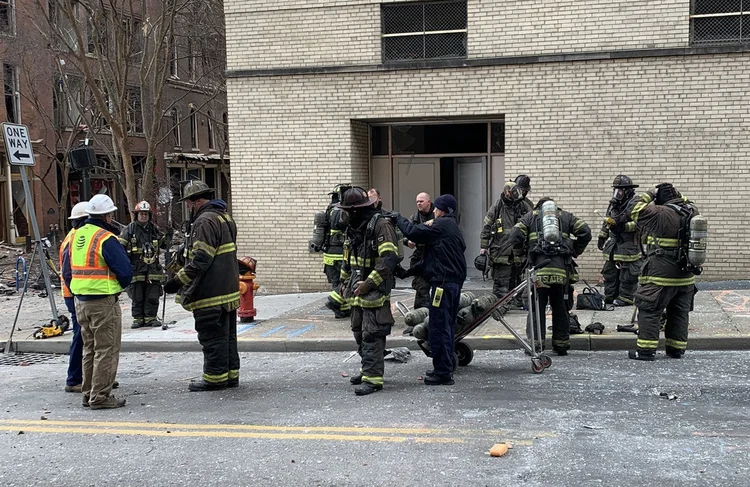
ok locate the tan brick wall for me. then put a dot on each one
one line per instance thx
(571, 126)
(294, 33)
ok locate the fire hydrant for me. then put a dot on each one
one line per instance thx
(248, 287)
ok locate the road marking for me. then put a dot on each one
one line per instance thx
(273, 330)
(321, 433)
(300, 331)
(244, 328)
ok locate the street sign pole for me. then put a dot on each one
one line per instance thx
(20, 153)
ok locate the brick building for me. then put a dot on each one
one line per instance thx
(45, 89)
(459, 96)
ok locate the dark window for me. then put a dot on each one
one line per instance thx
(135, 113)
(225, 122)
(191, 58)
(7, 24)
(465, 138)
(498, 137)
(720, 21)
(210, 177)
(424, 30)
(193, 130)
(176, 127)
(379, 141)
(210, 124)
(10, 88)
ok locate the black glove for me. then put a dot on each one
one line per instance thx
(172, 286)
(392, 215)
(600, 243)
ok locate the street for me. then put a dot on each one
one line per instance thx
(593, 418)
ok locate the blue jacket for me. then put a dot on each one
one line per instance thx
(444, 259)
(114, 256)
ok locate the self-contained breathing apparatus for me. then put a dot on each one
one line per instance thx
(549, 236)
(692, 237)
(324, 221)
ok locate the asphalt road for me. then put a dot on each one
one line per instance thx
(591, 419)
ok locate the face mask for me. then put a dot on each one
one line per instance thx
(516, 193)
(618, 194)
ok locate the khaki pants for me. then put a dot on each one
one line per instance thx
(101, 328)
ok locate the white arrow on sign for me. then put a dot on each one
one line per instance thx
(18, 144)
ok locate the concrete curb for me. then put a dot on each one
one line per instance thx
(592, 343)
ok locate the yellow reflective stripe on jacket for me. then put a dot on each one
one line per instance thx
(359, 262)
(534, 236)
(387, 247)
(630, 227)
(63, 248)
(622, 257)
(204, 247)
(365, 303)
(376, 278)
(663, 242)
(226, 248)
(645, 199)
(578, 225)
(331, 259)
(214, 301)
(667, 281)
(183, 277)
(523, 228)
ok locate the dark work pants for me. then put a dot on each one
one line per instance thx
(333, 274)
(501, 274)
(75, 361)
(422, 287)
(370, 327)
(443, 329)
(651, 301)
(217, 334)
(619, 283)
(555, 295)
(145, 298)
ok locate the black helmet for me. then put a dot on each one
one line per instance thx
(480, 262)
(355, 197)
(622, 181)
(523, 182)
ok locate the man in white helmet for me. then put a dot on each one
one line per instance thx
(97, 270)
(142, 241)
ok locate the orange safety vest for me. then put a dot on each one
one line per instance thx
(64, 248)
(90, 274)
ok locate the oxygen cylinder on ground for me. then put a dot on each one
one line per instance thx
(319, 232)
(416, 316)
(421, 331)
(698, 240)
(465, 299)
(550, 224)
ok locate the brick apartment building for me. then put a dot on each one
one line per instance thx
(39, 87)
(459, 96)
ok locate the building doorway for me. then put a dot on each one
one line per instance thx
(463, 159)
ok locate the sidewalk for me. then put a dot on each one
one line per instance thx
(300, 322)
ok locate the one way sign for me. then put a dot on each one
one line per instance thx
(17, 144)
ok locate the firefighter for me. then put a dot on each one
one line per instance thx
(664, 283)
(142, 241)
(425, 212)
(333, 254)
(370, 257)
(209, 285)
(96, 269)
(556, 227)
(73, 382)
(495, 237)
(622, 252)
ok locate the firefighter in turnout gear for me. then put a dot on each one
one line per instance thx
(495, 237)
(370, 257)
(142, 241)
(547, 232)
(664, 283)
(209, 286)
(622, 252)
(333, 253)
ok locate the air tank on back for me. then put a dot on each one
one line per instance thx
(698, 241)
(550, 224)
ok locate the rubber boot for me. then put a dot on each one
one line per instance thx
(367, 388)
(639, 355)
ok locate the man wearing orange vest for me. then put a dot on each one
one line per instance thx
(97, 269)
(75, 371)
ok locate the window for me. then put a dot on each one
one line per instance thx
(175, 115)
(211, 140)
(424, 30)
(12, 97)
(191, 58)
(64, 34)
(173, 57)
(97, 34)
(7, 17)
(720, 21)
(193, 129)
(135, 113)
(67, 101)
(225, 123)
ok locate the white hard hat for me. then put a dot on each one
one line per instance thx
(142, 206)
(100, 204)
(78, 211)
